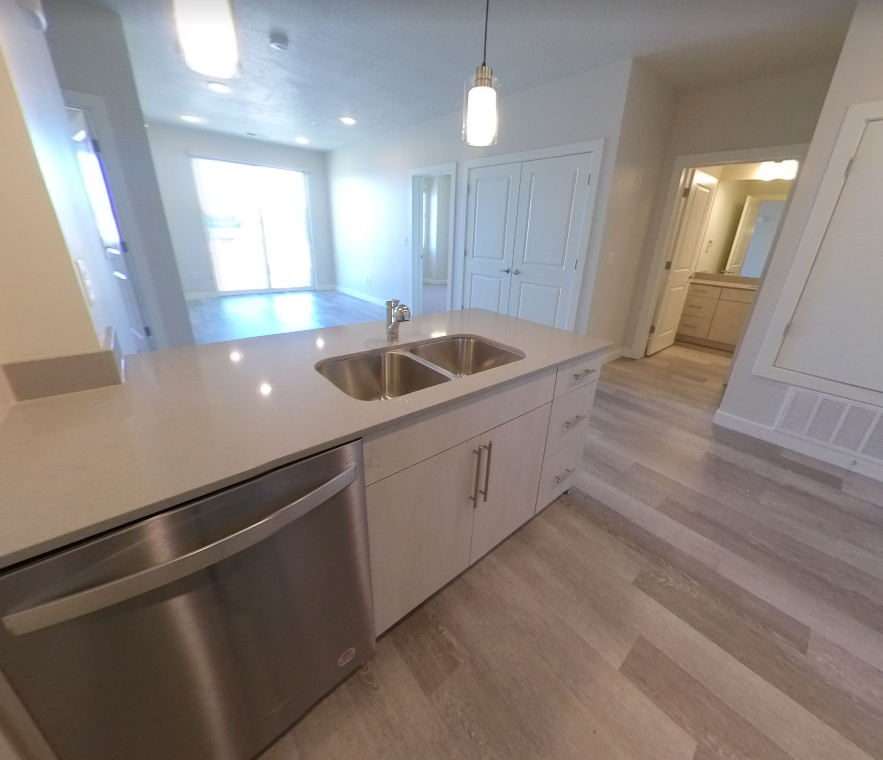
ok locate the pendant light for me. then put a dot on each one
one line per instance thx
(480, 102)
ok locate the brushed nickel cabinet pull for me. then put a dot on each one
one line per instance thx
(575, 421)
(583, 374)
(565, 475)
(475, 491)
(487, 470)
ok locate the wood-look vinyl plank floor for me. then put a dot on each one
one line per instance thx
(699, 595)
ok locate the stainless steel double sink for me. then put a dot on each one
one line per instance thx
(393, 372)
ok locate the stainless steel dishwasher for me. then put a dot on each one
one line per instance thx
(201, 633)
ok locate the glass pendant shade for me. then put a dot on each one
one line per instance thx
(480, 108)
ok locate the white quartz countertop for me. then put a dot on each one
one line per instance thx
(188, 421)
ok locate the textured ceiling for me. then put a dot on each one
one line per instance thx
(391, 63)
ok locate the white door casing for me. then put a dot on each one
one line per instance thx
(492, 205)
(687, 248)
(552, 207)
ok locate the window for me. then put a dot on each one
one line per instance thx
(257, 219)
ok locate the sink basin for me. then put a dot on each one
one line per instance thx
(465, 356)
(382, 375)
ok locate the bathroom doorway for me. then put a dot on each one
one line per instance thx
(432, 238)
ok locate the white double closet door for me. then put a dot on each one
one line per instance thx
(525, 227)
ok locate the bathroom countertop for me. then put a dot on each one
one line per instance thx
(190, 420)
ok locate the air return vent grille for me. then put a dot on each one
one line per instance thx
(834, 422)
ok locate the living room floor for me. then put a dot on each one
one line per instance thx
(700, 595)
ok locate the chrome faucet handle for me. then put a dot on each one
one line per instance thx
(393, 302)
(403, 313)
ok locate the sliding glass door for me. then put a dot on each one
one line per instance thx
(257, 219)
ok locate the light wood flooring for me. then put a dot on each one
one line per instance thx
(249, 316)
(702, 596)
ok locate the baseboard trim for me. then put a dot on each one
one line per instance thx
(612, 356)
(814, 450)
(360, 295)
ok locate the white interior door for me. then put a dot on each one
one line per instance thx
(688, 245)
(491, 208)
(834, 331)
(552, 203)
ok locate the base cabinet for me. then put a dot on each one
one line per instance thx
(424, 528)
(512, 458)
(420, 530)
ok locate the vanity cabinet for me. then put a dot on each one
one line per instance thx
(513, 448)
(715, 315)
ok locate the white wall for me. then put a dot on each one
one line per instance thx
(370, 184)
(757, 113)
(172, 148)
(43, 208)
(89, 49)
(858, 78)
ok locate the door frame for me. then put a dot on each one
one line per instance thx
(414, 176)
(667, 225)
(596, 148)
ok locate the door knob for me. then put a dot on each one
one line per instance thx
(506, 270)
(515, 271)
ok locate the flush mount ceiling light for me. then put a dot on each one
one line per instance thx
(770, 170)
(220, 88)
(348, 120)
(207, 35)
(480, 102)
(192, 119)
(302, 140)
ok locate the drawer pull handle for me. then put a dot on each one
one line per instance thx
(566, 475)
(582, 374)
(575, 421)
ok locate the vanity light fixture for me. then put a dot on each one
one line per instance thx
(220, 88)
(480, 101)
(348, 120)
(207, 35)
(770, 170)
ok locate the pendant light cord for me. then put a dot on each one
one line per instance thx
(487, 10)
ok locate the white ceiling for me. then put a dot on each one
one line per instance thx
(391, 63)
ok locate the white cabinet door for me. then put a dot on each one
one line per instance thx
(491, 208)
(552, 209)
(512, 460)
(687, 249)
(420, 530)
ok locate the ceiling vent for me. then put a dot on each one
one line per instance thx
(834, 422)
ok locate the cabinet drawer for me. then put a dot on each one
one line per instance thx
(740, 296)
(576, 374)
(695, 327)
(704, 291)
(570, 418)
(558, 471)
(697, 306)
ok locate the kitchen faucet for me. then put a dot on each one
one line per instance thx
(396, 313)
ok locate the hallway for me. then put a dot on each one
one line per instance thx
(249, 316)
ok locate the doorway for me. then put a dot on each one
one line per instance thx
(720, 234)
(123, 304)
(527, 224)
(432, 209)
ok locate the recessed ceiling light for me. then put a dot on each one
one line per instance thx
(192, 119)
(348, 120)
(219, 87)
(302, 140)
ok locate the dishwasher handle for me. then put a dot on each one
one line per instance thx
(107, 594)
